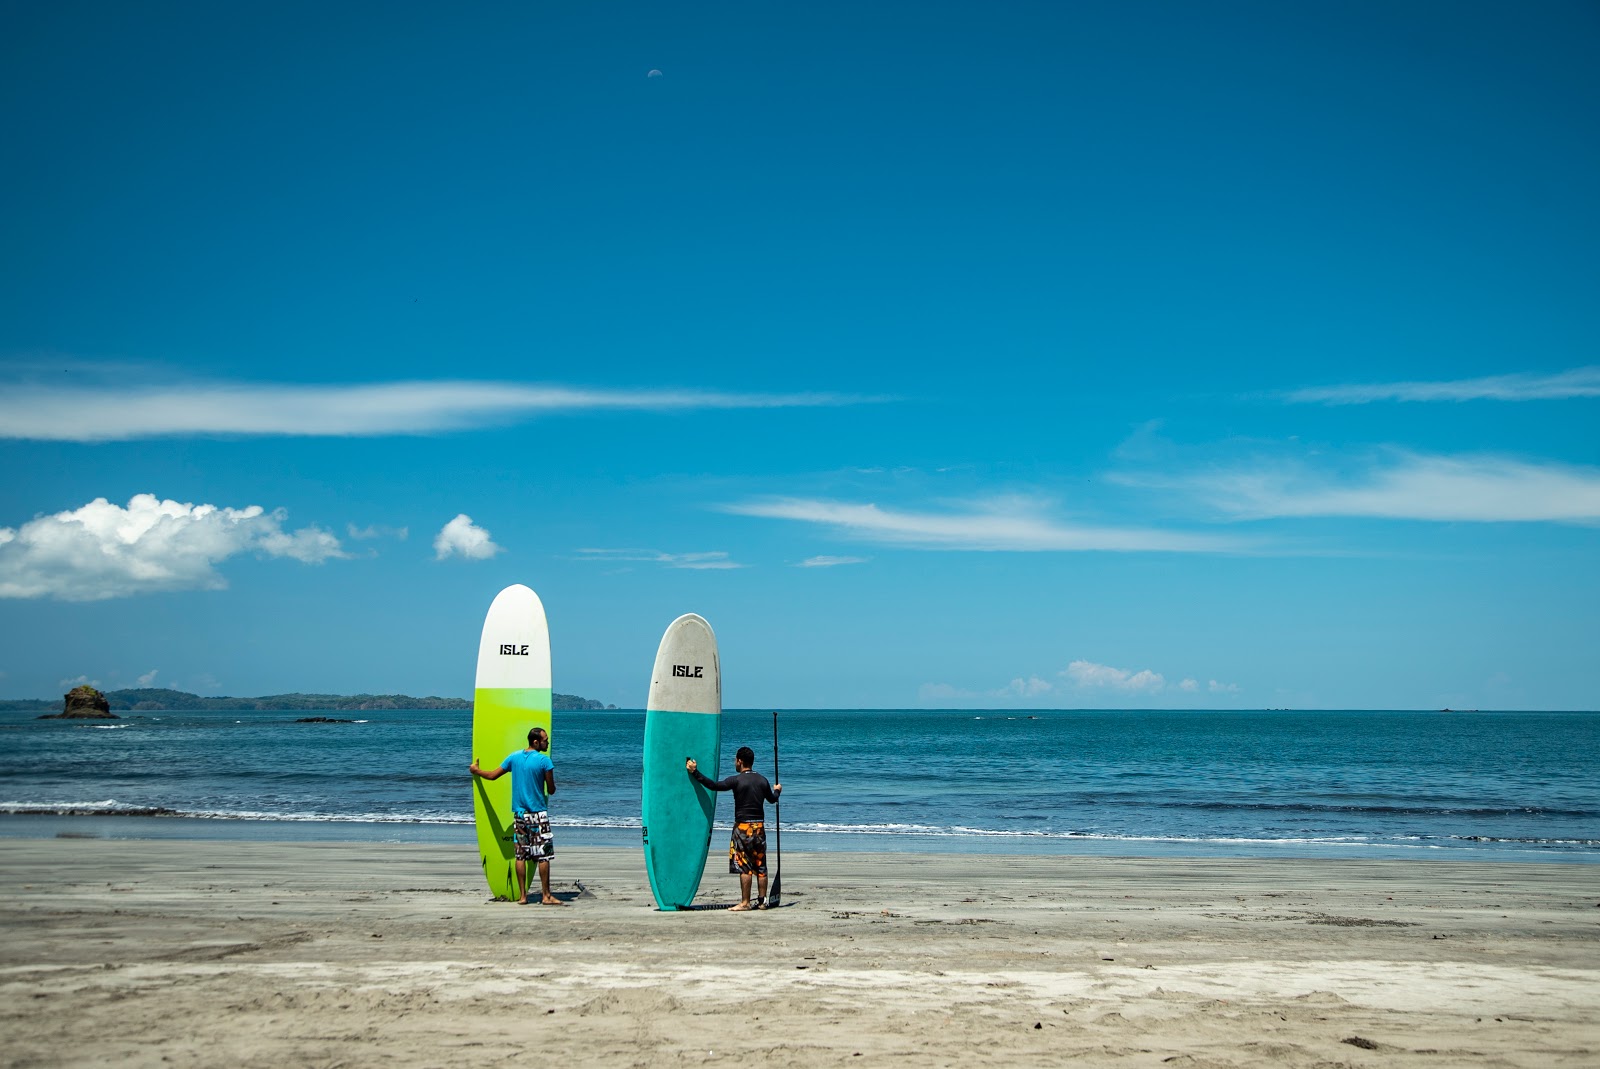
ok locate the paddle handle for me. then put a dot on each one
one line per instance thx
(777, 820)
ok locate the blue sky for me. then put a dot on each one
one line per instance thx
(1033, 355)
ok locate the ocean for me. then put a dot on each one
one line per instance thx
(1480, 786)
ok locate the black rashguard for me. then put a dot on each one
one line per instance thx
(749, 789)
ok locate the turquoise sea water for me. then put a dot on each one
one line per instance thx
(1504, 785)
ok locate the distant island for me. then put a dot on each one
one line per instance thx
(160, 699)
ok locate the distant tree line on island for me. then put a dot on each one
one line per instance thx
(161, 699)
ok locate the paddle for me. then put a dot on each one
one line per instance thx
(775, 892)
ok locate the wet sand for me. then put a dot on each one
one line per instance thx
(188, 953)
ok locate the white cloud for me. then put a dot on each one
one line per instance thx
(363, 534)
(1012, 524)
(148, 679)
(829, 562)
(77, 681)
(1578, 382)
(1090, 674)
(462, 538)
(95, 413)
(1189, 686)
(714, 560)
(104, 551)
(1408, 486)
(1031, 687)
(1222, 688)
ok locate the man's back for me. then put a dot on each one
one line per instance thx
(750, 789)
(528, 768)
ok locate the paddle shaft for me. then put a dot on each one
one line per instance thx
(776, 890)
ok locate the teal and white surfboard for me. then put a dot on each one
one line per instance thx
(683, 718)
(512, 697)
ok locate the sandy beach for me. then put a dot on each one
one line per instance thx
(326, 954)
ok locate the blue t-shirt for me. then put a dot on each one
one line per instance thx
(527, 768)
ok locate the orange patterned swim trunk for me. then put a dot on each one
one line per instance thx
(747, 851)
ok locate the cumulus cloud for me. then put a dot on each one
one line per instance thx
(1578, 382)
(1402, 486)
(104, 551)
(1006, 525)
(148, 679)
(1189, 686)
(825, 561)
(463, 538)
(1090, 674)
(713, 560)
(1221, 688)
(77, 681)
(1031, 687)
(117, 412)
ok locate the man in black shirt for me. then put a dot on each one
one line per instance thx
(747, 852)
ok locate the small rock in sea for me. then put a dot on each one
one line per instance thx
(322, 720)
(83, 703)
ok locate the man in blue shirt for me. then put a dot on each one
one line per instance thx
(533, 780)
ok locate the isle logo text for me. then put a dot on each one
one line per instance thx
(685, 671)
(509, 650)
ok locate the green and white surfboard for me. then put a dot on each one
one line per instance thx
(683, 718)
(512, 696)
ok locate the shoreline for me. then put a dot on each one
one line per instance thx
(191, 952)
(46, 823)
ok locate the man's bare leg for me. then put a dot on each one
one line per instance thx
(522, 881)
(744, 893)
(546, 898)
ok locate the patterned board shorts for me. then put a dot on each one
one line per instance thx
(534, 841)
(747, 852)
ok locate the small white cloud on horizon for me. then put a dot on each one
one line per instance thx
(1221, 688)
(463, 538)
(1090, 674)
(1031, 687)
(1005, 525)
(1522, 386)
(148, 679)
(119, 412)
(825, 561)
(714, 560)
(1404, 486)
(1190, 685)
(78, 681)
(102, 550)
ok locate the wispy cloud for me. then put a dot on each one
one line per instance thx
(149, 678)
(825, 561)
(362, 534)
(1400, 486)
(1523, 386)
(1074, 682)
(104, 551)
(463, 538)
(714, 560)
(1007, 525)
(110, 412)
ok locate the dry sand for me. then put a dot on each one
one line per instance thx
(167, 953)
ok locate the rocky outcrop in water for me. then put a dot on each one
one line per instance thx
(84, 703)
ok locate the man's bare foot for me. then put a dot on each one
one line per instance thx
(763, 904)
(740, 908)
(551, 900)
(522, 901)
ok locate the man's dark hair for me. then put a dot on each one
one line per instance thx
(536, 731)
(746, 756)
